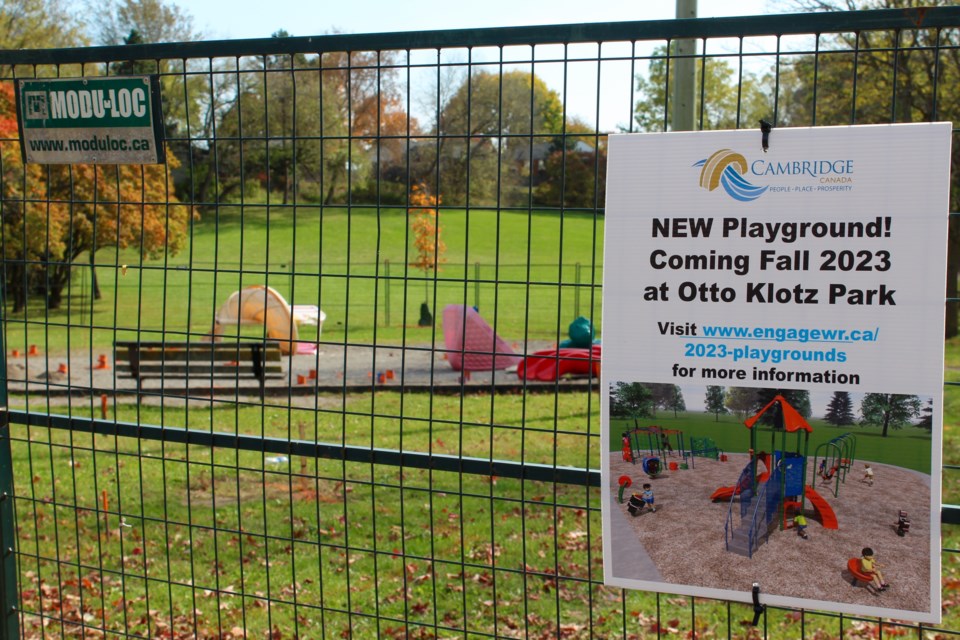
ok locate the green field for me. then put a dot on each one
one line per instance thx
(226, 543)
(350, 262)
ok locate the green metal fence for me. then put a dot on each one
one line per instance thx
(373, 491)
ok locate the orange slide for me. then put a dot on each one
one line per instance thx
(725, 493)
(824, 511)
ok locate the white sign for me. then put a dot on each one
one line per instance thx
(799, 289)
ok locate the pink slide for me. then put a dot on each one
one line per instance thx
(552, 364)
(824, 511)
(471, 343)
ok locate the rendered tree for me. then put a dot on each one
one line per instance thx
(889, 410)
(926, 416)
(676, 402)
(716, 401)
(429, 247)
(631, 400)
(840, 409)
(741, 400)
(798, 399)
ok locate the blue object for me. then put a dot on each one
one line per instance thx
(581, 334)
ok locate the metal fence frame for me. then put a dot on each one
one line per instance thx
(45, 417)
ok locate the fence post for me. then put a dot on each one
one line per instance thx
(576, 292)
(9, 615)
(476, 285)
(386, 291)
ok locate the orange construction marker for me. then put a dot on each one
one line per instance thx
(103, 406)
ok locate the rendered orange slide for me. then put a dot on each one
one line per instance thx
(725, 493)
(824, 511)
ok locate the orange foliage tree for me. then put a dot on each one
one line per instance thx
(53, 215)
(425, 226)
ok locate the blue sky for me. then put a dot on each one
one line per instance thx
(257, 19)
(232, 19)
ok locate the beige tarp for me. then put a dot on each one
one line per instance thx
(262, 305)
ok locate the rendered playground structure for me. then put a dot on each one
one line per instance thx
(762, 501)
(651, 445)
(832, 460)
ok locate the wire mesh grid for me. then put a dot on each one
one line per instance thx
(358, 484)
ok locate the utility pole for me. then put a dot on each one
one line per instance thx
(685, 77)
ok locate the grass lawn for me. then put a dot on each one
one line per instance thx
(352, 263)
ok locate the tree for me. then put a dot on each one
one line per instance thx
(485, 126)
(426, 241)
(894, 73)
(715, 401)
(840, 409)
(926, 416)
(889, 410)
(741, 401)
(728, 99)
(122, 206)
(38, 24)
(631, 400)
(31, 233)
(675, 401)
(53, 215)
(574, 177)
(798, 399)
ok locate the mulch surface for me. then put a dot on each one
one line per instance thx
(685, 536)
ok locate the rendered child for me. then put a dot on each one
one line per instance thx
(665, 443)
(871, 567)
(635, 504)
(648, 496)
(868, 475)
(800, 522)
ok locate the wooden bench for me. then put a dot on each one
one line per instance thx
(192, 360)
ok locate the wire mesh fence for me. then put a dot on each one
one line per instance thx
(373, 490)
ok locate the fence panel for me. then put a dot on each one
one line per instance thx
(372, 490)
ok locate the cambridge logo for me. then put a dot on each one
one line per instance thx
(726, 168)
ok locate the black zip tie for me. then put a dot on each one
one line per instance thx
(765, 129)
(757, 607)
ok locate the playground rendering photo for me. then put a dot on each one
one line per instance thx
(820, 497)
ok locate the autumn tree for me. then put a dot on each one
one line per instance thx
(427, 243)
(38, 24)
(715, 401)
(840, 409)
(299, 123)
(121, 206)
(31, 233)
